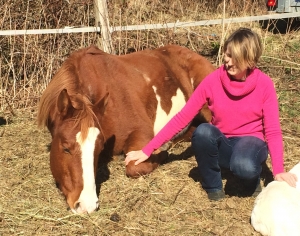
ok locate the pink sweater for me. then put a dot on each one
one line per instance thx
(248, 108)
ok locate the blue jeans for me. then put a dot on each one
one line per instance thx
(241, 155)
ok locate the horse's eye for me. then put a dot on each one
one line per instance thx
(66, 150)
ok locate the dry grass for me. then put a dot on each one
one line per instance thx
(170, 201)
(167, 202)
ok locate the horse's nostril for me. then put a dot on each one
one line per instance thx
(81, 207)
(76, 205)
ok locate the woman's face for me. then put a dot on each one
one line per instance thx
(232, 69)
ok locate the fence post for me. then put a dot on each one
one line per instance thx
(102, 21)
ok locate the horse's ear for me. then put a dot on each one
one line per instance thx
(77, 102)
(63, 102)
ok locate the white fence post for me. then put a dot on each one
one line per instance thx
(102, 21)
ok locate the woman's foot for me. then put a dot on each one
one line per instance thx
(216, 196)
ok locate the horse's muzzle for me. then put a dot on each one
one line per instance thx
(81, 208)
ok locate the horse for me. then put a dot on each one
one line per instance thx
(99, 105)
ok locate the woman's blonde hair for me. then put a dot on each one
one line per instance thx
(245, 48)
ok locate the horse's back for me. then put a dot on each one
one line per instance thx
(155, 65)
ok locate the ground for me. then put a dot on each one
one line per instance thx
(169, 201)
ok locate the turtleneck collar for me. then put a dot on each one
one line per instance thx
(238, 88)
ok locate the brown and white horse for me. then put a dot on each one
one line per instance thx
(99, 104)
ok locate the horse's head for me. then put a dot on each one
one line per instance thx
(76, 144)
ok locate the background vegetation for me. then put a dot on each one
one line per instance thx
(170, 201)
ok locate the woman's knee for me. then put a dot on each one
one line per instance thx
(245, 168)
(204, 130)
(247, 157)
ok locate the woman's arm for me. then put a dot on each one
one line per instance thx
(274, 136)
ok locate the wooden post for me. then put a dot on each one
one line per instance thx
(102, 21)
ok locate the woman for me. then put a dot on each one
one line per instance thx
(245, 121)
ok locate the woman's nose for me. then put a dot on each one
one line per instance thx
(229, 61)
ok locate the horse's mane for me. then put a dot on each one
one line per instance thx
(66, 78)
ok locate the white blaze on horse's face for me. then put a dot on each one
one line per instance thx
(88, 200)
(162, 117)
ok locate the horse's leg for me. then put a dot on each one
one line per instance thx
(136, 141)
(146, 167)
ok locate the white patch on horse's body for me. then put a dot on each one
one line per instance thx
(162, 117)
(88, 200)
(147, 78)
(192, 82)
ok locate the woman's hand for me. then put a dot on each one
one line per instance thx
(288, 177)
(138, 156)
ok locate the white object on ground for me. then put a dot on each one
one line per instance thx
(276, 209)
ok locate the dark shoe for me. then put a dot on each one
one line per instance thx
(216, 196)
(252, 188)
(257, 190)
